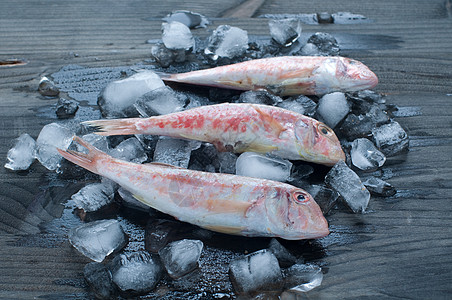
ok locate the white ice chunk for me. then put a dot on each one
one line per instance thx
(21, 156)
(130, 150)
(119, 96)
(303, 277)
(333, 108)
(51, 137)
(94, 196)
(181, 257)
(227, 41)
(98, 239)
(136, 272)
(285, 31)
(160, 101)
(189, 18)
(391, 138)
(260, 166)
(177, 36)
(365, 155)
(98, 141)
(174, 152)
(348, 184)
(256, 271)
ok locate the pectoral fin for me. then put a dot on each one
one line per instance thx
(270, 123)
(225, 229)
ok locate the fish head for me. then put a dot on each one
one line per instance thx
(317, 143)
(343, 74)
(295, 215)
(354, 75)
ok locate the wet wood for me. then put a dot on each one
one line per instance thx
(399, 249)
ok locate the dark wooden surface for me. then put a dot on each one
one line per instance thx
(401, 248)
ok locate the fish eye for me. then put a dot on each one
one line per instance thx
(301, 198)
(324, 130)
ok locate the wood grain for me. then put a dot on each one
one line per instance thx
(399, 249)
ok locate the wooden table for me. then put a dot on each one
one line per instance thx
(400, 248)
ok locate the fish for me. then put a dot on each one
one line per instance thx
(219, 202)
(239, 127)
(285, 76)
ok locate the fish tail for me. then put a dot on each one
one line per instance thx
(85, 160)
(115, 127)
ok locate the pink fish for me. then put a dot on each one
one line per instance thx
(288, 75)
(240, 128)
(220, 202)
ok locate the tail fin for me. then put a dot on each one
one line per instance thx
(115, 127)
(87, 161)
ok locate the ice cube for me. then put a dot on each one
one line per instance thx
(66, 108)
(285, 258)
(174, 152)
(309, 49)
(261, 166)
(160, 232)
(256, 271)
(359, 126)
(98, 141)
(227, 162)
(326, 198)
(130, 150)
(227, 41)
(348, 18)
(137, 272)
(181, 257)
(325, 42)
(99, 280)
(365, 155)
(98, 239)
(51, 137)
(333, 108)
(379, 187)
(303, 277)
(391, 139)
(94, 196)
(285, 31)
(162, 55)
(117, 98)
(343, 180)
(190, 19)
(21, 156)
(301, 104)
(48, 88)
(177, 36)
(160, 101)
(205, 157)
(324, 18)
(259, 97)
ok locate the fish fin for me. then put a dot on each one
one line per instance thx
(269, 121)
(162, 165)
(225, 229)
(232, 84)
(260, 148)
(85, 160)
(139, 198)
(115, 127)
(299, 74)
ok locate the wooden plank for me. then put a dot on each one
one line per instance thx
(399, 249)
